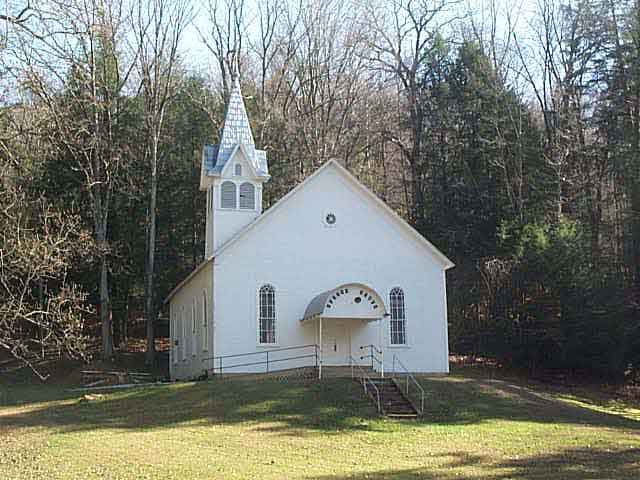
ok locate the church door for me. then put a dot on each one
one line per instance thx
(336, 343)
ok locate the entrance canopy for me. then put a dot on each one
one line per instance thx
(349, 301)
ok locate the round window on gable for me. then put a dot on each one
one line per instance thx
(329, 219)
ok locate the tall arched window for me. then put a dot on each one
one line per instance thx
(205, 323)
(398, 319)
(267, 315)
(247, 196)
(228, 195)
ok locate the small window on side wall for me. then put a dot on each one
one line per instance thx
(183, 336)
(174, 335)
(237, 170)
(228, 195)
(205, 323)
(194, 334)
(247, 196)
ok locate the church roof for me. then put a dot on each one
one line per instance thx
(236, 131)
(332, 163)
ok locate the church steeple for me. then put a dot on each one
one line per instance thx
(236, 133)
(236, 129)
(232, 173)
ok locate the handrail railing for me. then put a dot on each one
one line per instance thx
(409, 376)
(267, 361)
(374, 359)
(366, 380)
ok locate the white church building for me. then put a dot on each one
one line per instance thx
(325, 276)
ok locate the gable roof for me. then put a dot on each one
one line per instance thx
(437, 254)
(241, 148)
(440, 257)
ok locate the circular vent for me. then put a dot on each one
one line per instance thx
(329, 219)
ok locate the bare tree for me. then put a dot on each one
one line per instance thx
(71, 64)
(158, 27)
(41, 312)
(403, 36)
(225, 39)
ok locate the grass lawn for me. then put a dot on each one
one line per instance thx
(474, 428)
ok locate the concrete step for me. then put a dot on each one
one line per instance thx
(402, 415)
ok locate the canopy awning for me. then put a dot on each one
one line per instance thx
(348, 301)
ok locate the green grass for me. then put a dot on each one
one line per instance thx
(473, 429)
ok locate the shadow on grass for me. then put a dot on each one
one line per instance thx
(332, 405)
(568, 464)
(457, 400)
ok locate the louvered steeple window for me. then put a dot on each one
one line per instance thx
(228, 195)
(247, 196)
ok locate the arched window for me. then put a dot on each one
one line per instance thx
(194, 337)
(238, 170)
(247, 196)
(228, 195)
(205, 323)
(267, 315)
(398, 319)
(183, 339)
(174, 336)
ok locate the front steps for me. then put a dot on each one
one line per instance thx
(393, 402)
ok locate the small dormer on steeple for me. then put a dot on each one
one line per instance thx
(232, 173)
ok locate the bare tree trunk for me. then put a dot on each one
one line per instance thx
(158, 26)
(105, 312)
(100, 216)
(149, 297)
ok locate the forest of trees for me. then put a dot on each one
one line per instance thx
(507, 132)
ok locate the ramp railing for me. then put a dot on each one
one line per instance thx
(227, 363)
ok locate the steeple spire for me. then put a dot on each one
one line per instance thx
(235, 136)
(236, 129)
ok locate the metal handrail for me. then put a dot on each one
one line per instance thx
(374, 359)
(409, 376)
(267, 361)
(365, 380)
(262, 351)
(372, 347)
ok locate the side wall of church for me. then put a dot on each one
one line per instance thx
(191, 340)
